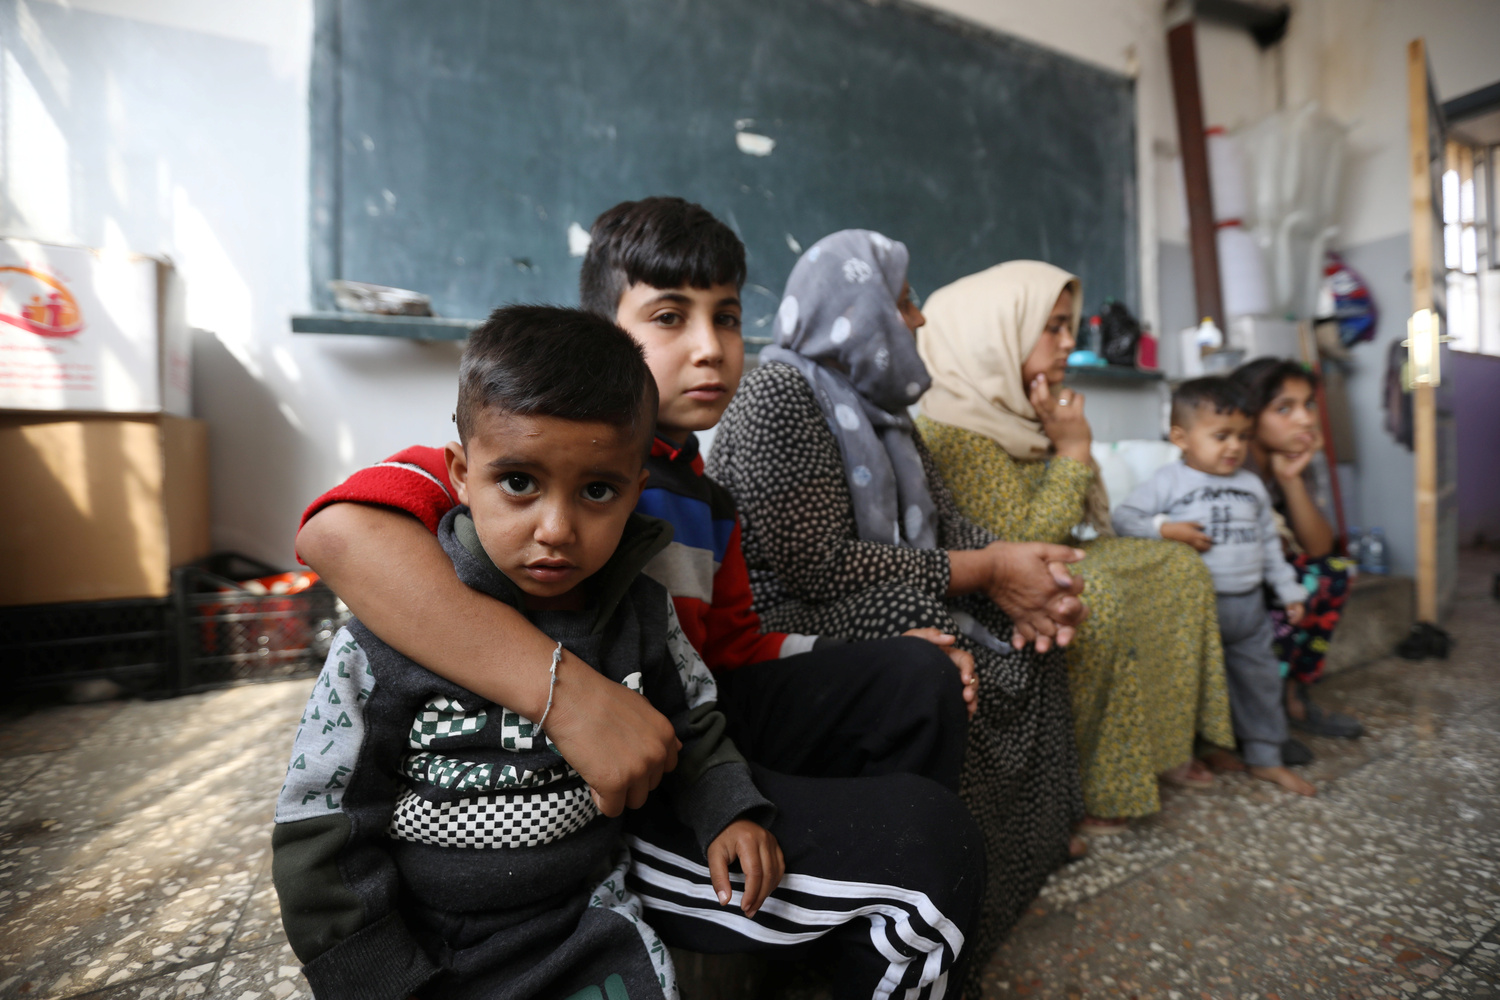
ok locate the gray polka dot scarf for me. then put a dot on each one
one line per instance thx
(839, 326)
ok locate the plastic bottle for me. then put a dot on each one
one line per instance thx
(1190, 359)
(1209, 337)
(1091, 339)
(1373, 556)
(1356, 549)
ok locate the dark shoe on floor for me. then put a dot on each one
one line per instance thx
(1425, 640)
(1294, 753)
(1321, 723)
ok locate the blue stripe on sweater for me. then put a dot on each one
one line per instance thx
(692, 521)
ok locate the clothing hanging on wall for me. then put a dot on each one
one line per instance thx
(1397, 397)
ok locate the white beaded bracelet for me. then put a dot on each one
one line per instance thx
(551, 686)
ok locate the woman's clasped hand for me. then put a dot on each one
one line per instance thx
(1031, 583)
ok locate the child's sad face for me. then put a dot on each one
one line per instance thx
(549, 497)
(694, 348)
(1214, 443)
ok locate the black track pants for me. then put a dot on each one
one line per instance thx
(890, 706)
(883, 884)
(882, 890)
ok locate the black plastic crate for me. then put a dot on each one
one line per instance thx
(214, 630)
(228, 632)
(131, 642)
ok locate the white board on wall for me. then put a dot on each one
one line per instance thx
(87, 331)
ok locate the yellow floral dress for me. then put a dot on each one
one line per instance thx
(1146, 671)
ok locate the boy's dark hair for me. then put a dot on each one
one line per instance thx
(547, 361)
(1260, 380)
(1199, 393)
(661, 242)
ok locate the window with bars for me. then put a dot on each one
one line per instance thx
(1473, 273)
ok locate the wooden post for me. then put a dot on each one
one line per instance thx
(1424, 401)
(1182, 51)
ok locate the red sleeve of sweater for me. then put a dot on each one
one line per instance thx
(414, 481)
(734, 637)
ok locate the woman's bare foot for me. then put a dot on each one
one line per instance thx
(1193, 774)
(1284, 777)
(1223, 760)
(1102, 826)
(1078, 848)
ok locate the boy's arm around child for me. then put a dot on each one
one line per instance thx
(333, 866)
(355, 533)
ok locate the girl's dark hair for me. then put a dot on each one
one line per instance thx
(1260, 380)
(661, 242)
(547, 361)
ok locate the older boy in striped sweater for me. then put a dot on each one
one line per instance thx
(669, 273)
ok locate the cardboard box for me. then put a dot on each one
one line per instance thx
(98, 508)
(91, 331)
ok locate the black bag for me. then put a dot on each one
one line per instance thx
(1119, 334)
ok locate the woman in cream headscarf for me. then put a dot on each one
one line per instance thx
(1146, 670)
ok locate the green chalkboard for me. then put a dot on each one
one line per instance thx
(455, 142)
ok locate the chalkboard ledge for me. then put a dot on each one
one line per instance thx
(1113, 373)
(375, 325)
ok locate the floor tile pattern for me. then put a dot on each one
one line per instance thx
(1387, 884)
(135, 855)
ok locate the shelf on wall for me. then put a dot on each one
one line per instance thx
(1113, 373)
(375, 325)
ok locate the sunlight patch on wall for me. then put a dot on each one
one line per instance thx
(218, 299)
(36, 159)
(47, 57)
(286, 363)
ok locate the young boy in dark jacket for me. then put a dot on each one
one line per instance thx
(429, 841)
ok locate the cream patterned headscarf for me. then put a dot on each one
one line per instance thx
(979, 332)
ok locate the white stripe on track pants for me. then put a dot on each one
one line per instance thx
(883, 885)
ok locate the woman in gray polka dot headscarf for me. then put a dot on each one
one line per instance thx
(849, 530)
(863, 384)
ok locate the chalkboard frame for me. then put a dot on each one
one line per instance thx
(327, 146)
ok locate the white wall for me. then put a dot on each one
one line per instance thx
(180, 128)
(1350, 56)
(1363, 82)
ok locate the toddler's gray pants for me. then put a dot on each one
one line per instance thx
(1254, 675)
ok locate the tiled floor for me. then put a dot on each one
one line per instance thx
(135, 848)
(135, 855)
(1387, 884)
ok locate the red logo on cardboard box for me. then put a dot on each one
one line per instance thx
(52, 311)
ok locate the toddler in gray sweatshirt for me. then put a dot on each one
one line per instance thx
(1208, 501)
